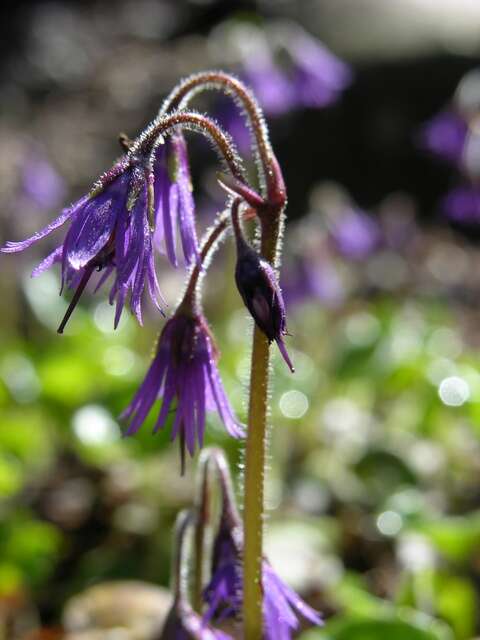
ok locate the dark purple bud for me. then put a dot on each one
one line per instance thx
(258, 286)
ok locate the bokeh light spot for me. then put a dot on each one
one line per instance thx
(389, 523)
(94, 425)
(454, 391)
(293, 404)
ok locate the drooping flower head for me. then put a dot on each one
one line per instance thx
(258, 285)
(112, 229)
(223, 594)
(185, 375)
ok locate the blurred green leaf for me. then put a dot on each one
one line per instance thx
(394, 628)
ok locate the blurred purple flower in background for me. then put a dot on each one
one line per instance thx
(444, 136)
(183, 370)
(318, 77)
(454, 135)
(286, 67)
(354, 233)
(41, 184)
(462, 204)
(312, 277)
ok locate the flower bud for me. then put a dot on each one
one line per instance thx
(258, 286)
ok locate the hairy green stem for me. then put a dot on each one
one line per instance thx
(255, 458)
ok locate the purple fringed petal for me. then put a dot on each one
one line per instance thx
(166, 207)
(165, 204)
(281, 607)
(49, 261)
(91, 231)
(233, 426)
(143, 400)
(73, 210)
(173, 200)
(186, 205)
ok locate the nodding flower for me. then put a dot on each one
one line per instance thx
(110, 232)
(184, 370)
(114, 228)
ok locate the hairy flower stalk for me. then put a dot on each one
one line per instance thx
(271, 221)
(185, 91)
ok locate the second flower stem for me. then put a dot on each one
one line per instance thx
(255, 459)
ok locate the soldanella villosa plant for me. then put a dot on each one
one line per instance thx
(140, 206)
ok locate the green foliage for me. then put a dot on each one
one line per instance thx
(373, 477)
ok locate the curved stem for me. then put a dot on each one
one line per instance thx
(212, 237)
(188, 89)
(196, 122)
(255, 456)
(202, 516)
(179, 564)
(215, 233)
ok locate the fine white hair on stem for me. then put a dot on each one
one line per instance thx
(233, 87)
(195, 121)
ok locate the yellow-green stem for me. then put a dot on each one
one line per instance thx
(255, 459)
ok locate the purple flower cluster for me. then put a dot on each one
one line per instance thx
(112, 229)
